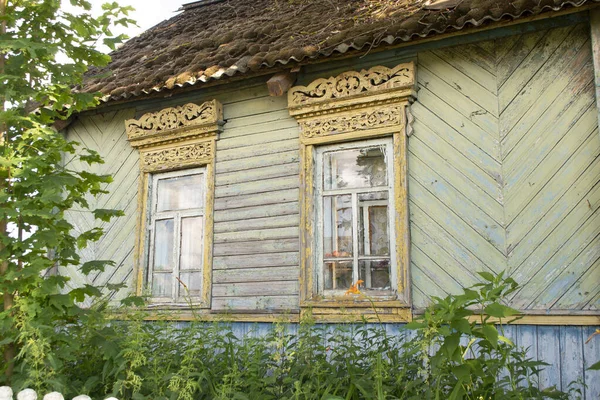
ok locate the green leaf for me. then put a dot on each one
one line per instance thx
(491, 334)
(106, 215)
(595, 366)
(415, 325)
(95, 266)
(486, 275)
(500, 311)
(462, 325)
(135, 301)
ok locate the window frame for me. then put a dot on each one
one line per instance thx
(321, 193)
(177, 216)
(353, 106)
(175, 139)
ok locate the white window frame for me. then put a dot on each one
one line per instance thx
(177, 297)
(320, 193)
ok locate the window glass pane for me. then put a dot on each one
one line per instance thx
(191, 243)
(375, 273)
(337, 275)
(162, 285)
(356, 168)
(193, 282)
(373, 232)
(163, 245)
(180, 193)
(337, 226)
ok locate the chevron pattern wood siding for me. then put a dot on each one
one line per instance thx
(105, 133)
(504, 170)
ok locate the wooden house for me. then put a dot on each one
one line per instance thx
(269, 154)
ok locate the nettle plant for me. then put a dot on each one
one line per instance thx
(465, 353)
(457, 350)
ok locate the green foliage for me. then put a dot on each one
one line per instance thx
(444, 355)
(38, 185)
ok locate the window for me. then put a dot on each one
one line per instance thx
(176, 235)
(173, 257)
(354, 192)
(354, 189)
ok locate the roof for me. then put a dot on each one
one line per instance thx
(217, 39)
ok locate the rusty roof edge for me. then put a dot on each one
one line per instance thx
(350, 49)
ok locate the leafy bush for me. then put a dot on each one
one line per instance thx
(446, 354)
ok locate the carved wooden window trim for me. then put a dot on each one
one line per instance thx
(176, 138)
(354, 106)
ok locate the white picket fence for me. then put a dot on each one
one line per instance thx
(6, 393)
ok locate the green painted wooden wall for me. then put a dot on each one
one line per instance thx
(504, 171)
(106, 134)
(503, 175)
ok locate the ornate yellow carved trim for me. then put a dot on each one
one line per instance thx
(175, 124)
(377, 86)
(178, 157)
(353, 121)
(351, 83)
(352, 106)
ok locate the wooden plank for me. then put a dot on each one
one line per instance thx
(462, 104)
(258, 234)
(257, 260)
(460, 82)
(436, 273)
(259, 199)
(544, 109)
(571, 355)
(461, 124)
(595, 38)
(252, 127)
(270, 117)
(540, 278)
(289, 208)
(287, 157)
(482, 171)
(515, 104)
(264, 275)
(526, 337)
(573, 206)
(591, 355)
(258, 303)
(575, 150)
(568, 277)
(259, 138)
(549, 352)
(537, 211)
(253, 106)
(463, 60)
(256, 150)
(531, 64)
(258, 223)
(431, 161)
(451, 269)
(423, 287)
(512, 51)
(265, 185)
(257, 174)
(583, 291)
(437, 233)
(455, 226)
(260, 247)
(481, 54)
(460, 204)
(270, 287)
